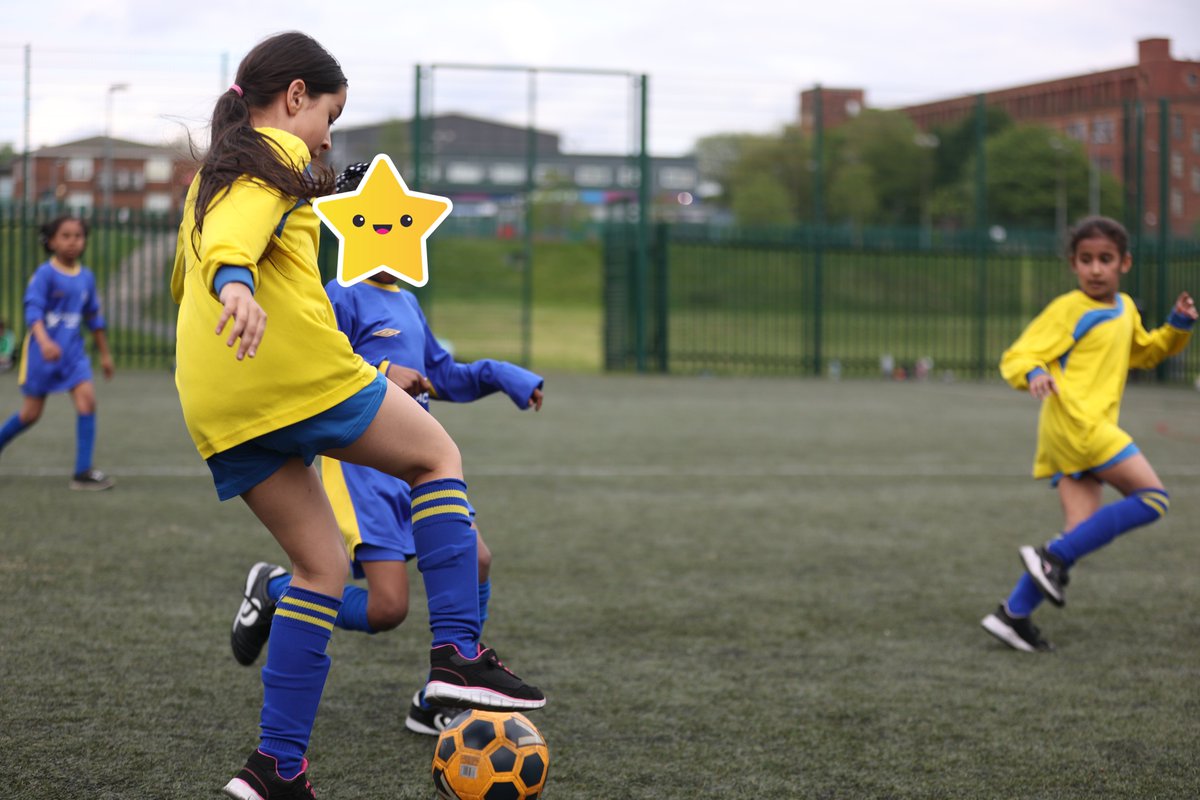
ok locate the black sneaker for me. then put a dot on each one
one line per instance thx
(480, 682)
(252, 625)
(1019, 633)
(91, 480)
(1048, 572)
(428, 719)
(259, 780)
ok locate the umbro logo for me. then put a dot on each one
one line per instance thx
(386, 332)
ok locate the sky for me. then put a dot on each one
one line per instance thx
(150, 70)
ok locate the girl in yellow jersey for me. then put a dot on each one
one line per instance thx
(267, 382)
(1074, 358)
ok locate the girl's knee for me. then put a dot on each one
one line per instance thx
(387, 613)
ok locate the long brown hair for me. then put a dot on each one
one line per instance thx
(237, 149)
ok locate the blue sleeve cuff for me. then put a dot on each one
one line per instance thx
(228, 274)
(1033, 373)
(1181, 321)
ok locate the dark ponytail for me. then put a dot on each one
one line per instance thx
(237, 149)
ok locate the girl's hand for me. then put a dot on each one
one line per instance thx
(1186, 305)
(106, 364)
(249, 319)
(535, 400)
(408, 379)
(50, 350)
(1042, 386)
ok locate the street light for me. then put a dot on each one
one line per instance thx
(1060, 186)
(108, 144)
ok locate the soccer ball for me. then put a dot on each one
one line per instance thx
(490, 755)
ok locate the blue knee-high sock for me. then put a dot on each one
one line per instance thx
(485, 595)
(85, 442)
(447, 556)
(10, 430)
(351, 617)
(294, 675)
(1025, 597)
(1139, 508)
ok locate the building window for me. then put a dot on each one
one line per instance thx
(507, 173)
(464, 172)
(1103, 131)
(1176, 203)
(1176, 165)
(676, 178)
(79, 200)
(1176, 127)
(79, 169)
(157, 202)
(593, 175)
(1077, 130)
(158, 170)
(1196, 180)
(1196, 141)
(627, 176)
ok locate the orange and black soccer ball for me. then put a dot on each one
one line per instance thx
(490, 755)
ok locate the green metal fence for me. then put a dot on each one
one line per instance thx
(808, 301)
(131, 255)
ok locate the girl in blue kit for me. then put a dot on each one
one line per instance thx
(1074, 358)
(387, 328)
(60, 301)
(267, 382)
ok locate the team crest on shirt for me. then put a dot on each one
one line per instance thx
(386, 332)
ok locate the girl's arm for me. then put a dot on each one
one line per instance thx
(1025, 364)
(106, 361)
(1150, 348)
(50, 349)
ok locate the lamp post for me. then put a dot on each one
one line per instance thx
(1060, 186)
(108, 145)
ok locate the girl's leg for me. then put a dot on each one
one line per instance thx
(29, 413)
(1145, 501)
(386, 598)
(293, 506)
(407, 442)
(84, 397)
(1080, 498)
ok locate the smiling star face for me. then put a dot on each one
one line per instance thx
(382, 226)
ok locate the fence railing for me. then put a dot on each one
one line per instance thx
(806, 301)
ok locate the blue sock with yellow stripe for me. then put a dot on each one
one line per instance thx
(294, 675)
(1139, 508)
(447, 556)
(351, 617)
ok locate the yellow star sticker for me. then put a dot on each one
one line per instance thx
(382, 226)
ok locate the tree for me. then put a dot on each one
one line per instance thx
(877, 169)
(777, 164)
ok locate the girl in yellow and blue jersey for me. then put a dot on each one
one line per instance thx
(1074, 358)
(267, 383)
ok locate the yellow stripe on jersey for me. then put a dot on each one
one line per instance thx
(21, 373)
(444, 494)
(311, 620)
(435, 510)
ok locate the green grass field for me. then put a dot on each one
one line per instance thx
(727, 588)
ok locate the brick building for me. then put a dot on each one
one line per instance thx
(1105, 111)
(1100, 109)
(144, 177)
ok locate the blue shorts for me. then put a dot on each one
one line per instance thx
(373, 510)
(244, 466)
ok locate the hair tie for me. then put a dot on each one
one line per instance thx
(237, 89)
